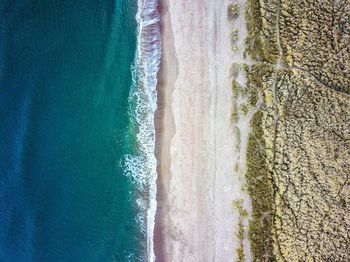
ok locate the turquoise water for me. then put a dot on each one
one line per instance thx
(66, 129)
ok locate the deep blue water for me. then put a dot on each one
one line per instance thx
(64, 84)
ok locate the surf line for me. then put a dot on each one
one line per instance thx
(143, 95)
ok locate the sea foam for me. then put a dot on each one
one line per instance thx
(141, 166)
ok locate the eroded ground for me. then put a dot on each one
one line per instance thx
(299, 149)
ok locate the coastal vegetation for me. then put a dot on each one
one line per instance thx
(299, 147)
(261, 191)
(243, 214)
(232, 14)
(234, 36)
(235, 92)
(232, 11)
(245, 100)
(235, 68)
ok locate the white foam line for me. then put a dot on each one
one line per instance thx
(142, 168)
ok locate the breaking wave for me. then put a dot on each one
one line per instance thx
(140, 166)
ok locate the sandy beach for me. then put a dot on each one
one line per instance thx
(197, 148)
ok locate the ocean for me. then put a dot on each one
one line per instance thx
(77, 100)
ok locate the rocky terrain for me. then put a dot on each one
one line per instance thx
(299, 149)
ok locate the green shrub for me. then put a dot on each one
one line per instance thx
(232, 11)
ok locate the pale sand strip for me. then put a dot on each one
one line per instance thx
(195, 219)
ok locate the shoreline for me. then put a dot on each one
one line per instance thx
(164, 116)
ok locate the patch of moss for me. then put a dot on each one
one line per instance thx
(235, 91)
(234, 36)
(238, 204)
(235, 88)
(235, 68)
(245, 109)
(240, 235)
(243, 213)
(237, 133)
(232, 11)
(246, 69)
(235, 48)
(254, 97)
(234, 114)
